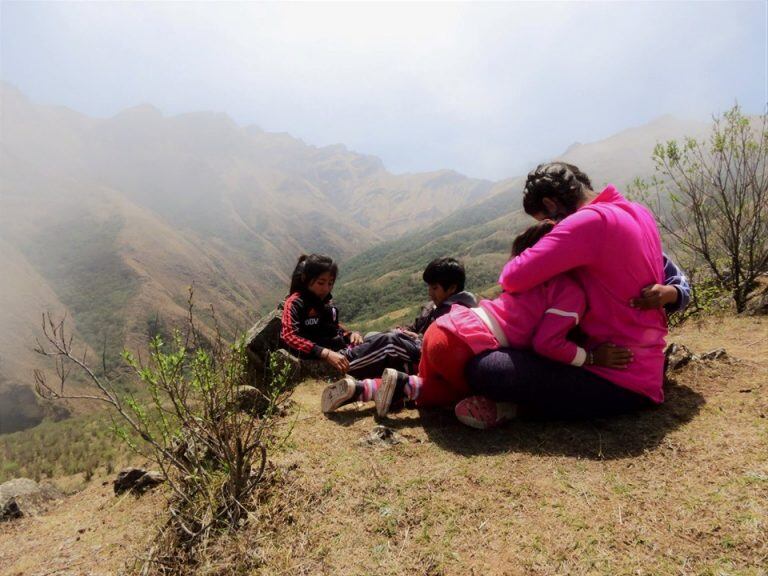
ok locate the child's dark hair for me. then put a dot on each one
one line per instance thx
(310, 267)
(531, 236)
(558, 181)
(446, 272)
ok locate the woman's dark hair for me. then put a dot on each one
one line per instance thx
(559, 181)
(531, 236)
(310, 267)
(446, 272)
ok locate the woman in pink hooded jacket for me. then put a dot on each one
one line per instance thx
(611, 246)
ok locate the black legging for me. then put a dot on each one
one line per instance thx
(391, 349)
(543, 388)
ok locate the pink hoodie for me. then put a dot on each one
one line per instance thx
(539, 318)
(613, 247)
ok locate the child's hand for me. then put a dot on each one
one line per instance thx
(611, 356)
(355, 338)
(655, 296)
(337, 361)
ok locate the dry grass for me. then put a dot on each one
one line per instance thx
(92, 532)
(682, 489)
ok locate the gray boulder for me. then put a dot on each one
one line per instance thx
(265, 357)
(758, 305)
(676, 356)
(25, 497)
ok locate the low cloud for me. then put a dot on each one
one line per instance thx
(480, 88)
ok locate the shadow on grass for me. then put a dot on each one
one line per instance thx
(348, 417)
(599, 439)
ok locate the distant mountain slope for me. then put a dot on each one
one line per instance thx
(387, 277)
(117, 217)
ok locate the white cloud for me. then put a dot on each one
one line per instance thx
(482, 88)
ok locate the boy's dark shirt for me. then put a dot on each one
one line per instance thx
(306, 317)
(429, 312)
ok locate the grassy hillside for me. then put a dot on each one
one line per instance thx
(388, 276)
(90, 277)
(80, 445)
(680, 489)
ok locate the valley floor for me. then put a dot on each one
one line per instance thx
(681, 489)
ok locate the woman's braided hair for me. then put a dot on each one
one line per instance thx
(558, 181)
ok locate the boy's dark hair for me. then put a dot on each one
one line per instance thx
(559, 181)
(530, 236)
(446, 272)
(310, 267)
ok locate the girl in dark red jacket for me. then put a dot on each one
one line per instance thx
(311, 328)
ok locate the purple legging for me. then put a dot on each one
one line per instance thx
(543, 388)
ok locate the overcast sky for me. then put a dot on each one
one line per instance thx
(485, 89)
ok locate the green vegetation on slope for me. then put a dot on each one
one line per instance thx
(387, 277)
(76, 445)
(82, 263)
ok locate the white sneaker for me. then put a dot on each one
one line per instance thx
(338, 394)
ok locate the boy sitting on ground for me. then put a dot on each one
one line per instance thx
(445, 279)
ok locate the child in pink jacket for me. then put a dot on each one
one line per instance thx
(538, 319)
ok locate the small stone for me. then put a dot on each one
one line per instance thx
(382, 436)
(149, 480)
(10, 510)
(717, 354)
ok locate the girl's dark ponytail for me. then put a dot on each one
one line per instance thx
(296, 278)
(310, 267)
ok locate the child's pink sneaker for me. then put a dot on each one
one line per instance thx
(481, 413)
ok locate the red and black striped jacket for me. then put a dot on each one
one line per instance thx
(310, 324)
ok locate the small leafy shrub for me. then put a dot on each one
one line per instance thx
(189, 422)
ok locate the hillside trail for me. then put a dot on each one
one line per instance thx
(681, 489)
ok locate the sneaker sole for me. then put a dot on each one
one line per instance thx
(383, 396)
(337, 394)
(473, 422)
(505, 412)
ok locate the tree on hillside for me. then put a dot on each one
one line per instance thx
(711, 196)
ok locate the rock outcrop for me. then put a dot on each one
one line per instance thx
(676, 356)
(265, 357)
(137, 480)
(25, 497)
